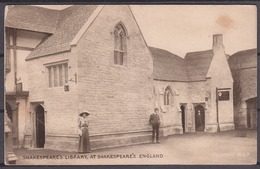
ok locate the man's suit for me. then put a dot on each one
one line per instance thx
(155, 122)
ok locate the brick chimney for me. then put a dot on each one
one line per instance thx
(217, 43)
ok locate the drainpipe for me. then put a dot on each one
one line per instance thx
(218, 128)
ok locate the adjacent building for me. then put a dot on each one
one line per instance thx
(23, 32)
(200, 91)
(243, 65)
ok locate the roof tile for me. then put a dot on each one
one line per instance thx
(168, 66)
(197, 64)
(69, 23)
(243, 59)
(32, 18)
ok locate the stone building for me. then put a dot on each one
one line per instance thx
(243, 65)
(191, 84)
(104, 43)
(95, 58)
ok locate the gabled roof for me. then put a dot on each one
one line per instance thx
(32, 18)
(243, 59)
(67, 26)
(197, 64)
(168, 66)
(70, 21)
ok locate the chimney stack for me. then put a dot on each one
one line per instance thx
(217, 42)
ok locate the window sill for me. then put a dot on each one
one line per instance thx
(120, 66)
(58, 87)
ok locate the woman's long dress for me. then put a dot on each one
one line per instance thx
(84, 142)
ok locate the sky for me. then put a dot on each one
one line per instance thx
(187, 28)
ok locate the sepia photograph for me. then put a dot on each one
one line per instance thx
(130, 85)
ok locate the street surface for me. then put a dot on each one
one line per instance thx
(228, 147)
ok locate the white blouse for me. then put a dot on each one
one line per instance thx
(83, 122)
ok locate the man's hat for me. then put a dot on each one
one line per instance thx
(84, 112)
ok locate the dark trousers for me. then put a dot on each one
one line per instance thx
(155, 132)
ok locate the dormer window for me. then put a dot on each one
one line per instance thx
(120, 45)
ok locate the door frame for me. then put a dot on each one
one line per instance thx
(249, 114)
(185, 116)
(203, 104)
(40, 126)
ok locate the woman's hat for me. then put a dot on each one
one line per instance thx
(84, 112)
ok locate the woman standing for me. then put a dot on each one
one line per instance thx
(84, 143)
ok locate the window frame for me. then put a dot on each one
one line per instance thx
(167, 96)
(50, 66)
(120, 44)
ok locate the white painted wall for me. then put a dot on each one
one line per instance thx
(24, 39)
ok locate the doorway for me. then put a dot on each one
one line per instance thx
(9, 112)
(251, 113)
(40, 127)
(183, 117)
(12, 121)
(199, 118)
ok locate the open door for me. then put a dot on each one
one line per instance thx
(252, 113)
(199, 118)
(183, 117)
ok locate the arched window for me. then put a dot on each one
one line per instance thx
(167, 96)
(120, 44)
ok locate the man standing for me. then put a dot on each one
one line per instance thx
(155, 122)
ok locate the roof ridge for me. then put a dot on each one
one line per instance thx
(246, 50)
(69, 7)
(166, 51)
(199, 51)
(40, 7)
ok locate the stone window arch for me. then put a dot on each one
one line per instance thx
(168, 96)
(120, 36)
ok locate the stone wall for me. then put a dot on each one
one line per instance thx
(247, 79)
(197, 94)
(221, 78)
(61, 109)
(119, 98)
(224, 108)
(171, 114)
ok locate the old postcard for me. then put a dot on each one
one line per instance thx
(130, 84)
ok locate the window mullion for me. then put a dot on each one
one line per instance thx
(49, 76)
(52, 76)
(66, 71)
(60, 75)
(55, 76)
